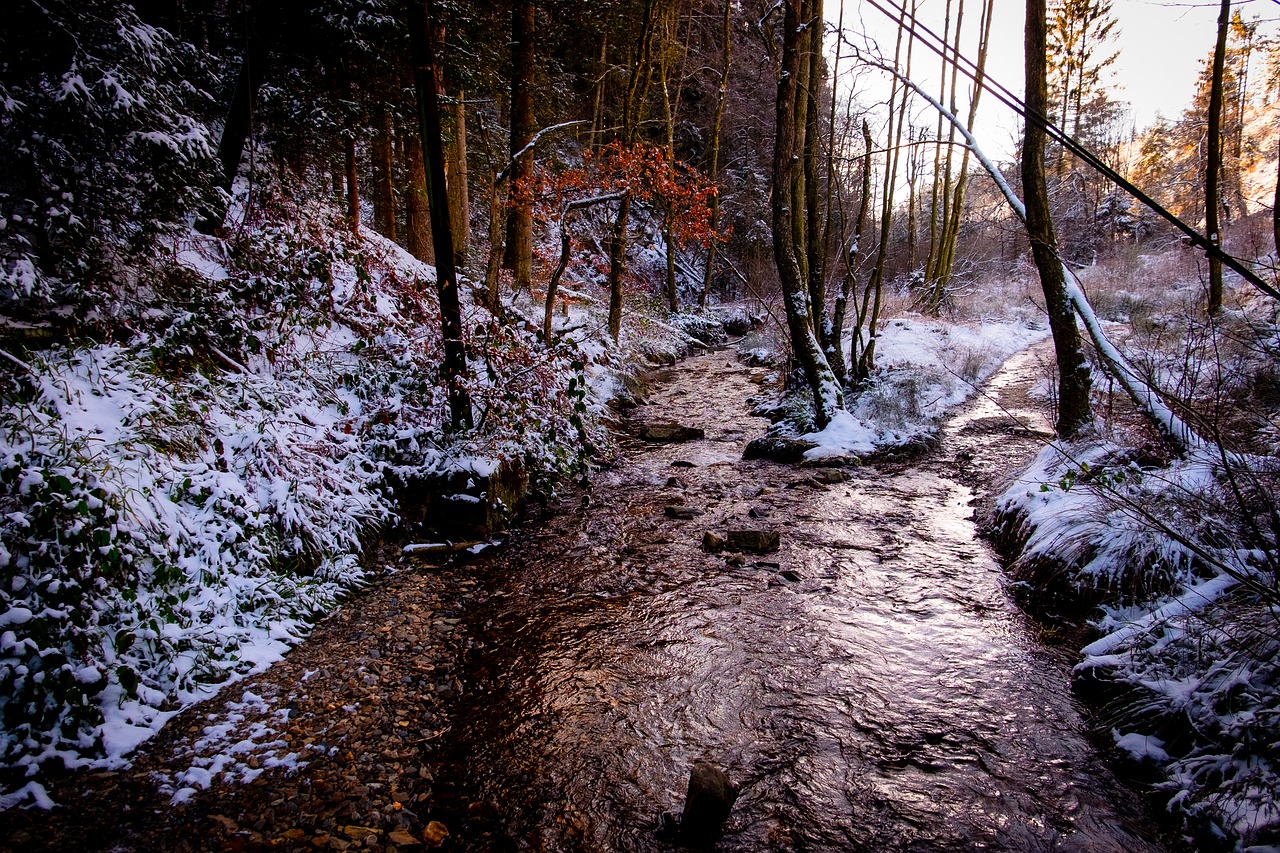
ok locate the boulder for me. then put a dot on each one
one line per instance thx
(756, 541)
(707, 804)
(669, 433)
(468, 504)
(713, 541)
(778, 449)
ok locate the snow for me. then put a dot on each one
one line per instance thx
(1141, 747)
(927, 367)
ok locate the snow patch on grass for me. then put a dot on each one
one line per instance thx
(926, 367)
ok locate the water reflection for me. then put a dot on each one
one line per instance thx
(869, 684)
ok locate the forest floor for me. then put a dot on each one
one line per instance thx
(334, 747)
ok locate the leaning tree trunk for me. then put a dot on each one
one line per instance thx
(425, 77)
(1213, 168)
(1073, 370)
(827, 396)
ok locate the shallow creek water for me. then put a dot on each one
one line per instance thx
(869, 684)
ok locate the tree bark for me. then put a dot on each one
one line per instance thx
(1073, 370)
(1213, 168)
(714, 166)
(617, 264)
(353, 181)
(456, 176)
(240, 115)
(384, 201)
(816, 261)
(827, 396)
(426, 77)
(519, 251)
(417, 208)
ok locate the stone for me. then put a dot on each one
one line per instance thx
(756, 541)
(683, 513)
(757, 512)
(669, 433)
(707, 803)
(359, 833)
(404, 838)
(435, 833)
(674, 483)
(789, 575)
(713, 541)
(682, 463)
(778, 449)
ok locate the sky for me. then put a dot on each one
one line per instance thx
(1161, 44)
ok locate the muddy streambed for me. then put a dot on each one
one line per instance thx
(869, 684)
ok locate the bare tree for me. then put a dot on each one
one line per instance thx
(1073, 370)
(425, 78)
(787, 244)
(1213, 165)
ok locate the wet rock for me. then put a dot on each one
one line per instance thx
(674, 483)
(681, 463)
(778, 449)
(669, 433)
(683, 513)
(403, 838)
(756, 541)
(707, 804)
(713, 541)
(435, 833)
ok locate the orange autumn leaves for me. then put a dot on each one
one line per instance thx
(678, 193)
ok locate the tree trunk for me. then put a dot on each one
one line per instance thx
(1213, 168)
(827, 396)
(456, 176)
(617, 265)
(714, 165)
(637, 86)
(384, 201)
(851, 257)
(951, 227)
(519, 252)
(871, 301)
(816, 262)
(240, 115)
(597, 109)
(426, 78)
(353, 181)
(417, 208)
(669, 125)
(1073, 370)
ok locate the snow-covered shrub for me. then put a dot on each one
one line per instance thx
(1186, 566)
(707, 329)
(177, 509)
(103, 145)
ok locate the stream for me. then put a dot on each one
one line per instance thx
(869, 685)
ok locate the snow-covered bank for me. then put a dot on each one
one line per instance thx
(1186, 661)
(926, 368)
(181, 503)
